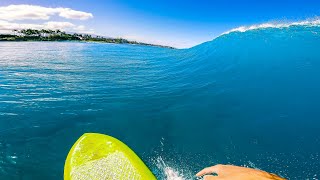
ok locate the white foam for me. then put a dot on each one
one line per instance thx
(312, 22)
(169, 172)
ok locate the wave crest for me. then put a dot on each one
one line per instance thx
(312, 22)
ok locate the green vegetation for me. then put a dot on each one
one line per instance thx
(58, 35)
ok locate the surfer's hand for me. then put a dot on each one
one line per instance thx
(229, 172)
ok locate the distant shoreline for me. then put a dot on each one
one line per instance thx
(33, 35)
(142, 44)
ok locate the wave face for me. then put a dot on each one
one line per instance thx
(247, 98)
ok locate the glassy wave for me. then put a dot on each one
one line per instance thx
(250, 97)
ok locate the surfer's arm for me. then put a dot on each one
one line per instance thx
(229, 172)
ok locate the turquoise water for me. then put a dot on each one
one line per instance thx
(247, 98)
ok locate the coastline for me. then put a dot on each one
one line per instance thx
(30, 35)
(142, 44)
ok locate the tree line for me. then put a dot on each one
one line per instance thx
(43, 35)
(58, 35)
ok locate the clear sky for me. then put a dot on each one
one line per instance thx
(169, 22)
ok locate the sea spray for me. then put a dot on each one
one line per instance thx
(167, 168)
(169, 173)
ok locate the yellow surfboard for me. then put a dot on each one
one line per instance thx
(102, 157)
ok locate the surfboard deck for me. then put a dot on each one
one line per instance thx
(101, 157)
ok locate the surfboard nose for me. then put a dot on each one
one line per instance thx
(98, 156)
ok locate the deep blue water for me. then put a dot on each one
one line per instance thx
(250, 98)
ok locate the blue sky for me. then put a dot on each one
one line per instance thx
(176, 23)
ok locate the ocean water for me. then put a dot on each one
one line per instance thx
(249, 98)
